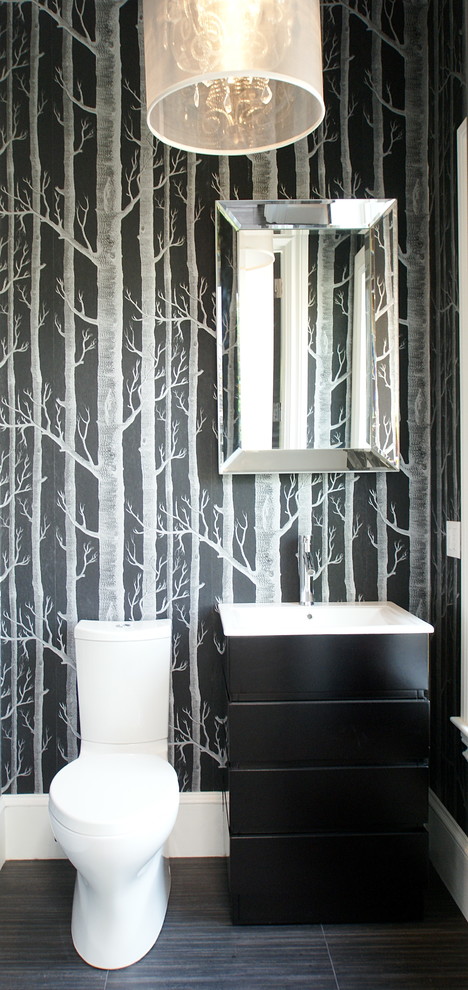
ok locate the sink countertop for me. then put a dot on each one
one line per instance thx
(322, 618)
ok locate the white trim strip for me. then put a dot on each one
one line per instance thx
(25, 833)
(448, 850)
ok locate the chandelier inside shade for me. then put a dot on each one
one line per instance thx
(232, 76)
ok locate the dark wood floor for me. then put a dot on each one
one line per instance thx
(199, 948)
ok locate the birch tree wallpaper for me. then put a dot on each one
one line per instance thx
(111, 502)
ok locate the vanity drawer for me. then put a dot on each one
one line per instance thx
(328, 732)
(284, 667)
(322, 798)
(334, 879)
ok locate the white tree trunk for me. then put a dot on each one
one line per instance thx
(109, 310)
(304, 500)
(267, 486)
(36, 374)
(148, 356)
(227, 593)
(417, 251)
(70, 344)
(344, 102)
(324, 547)
(350, 480)
(301, 155)
(322, 182)
(194, 482)
(324, 342)
(267, 537)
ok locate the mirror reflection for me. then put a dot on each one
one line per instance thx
(307, 335)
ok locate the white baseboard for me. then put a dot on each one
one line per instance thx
(448, 851)
(27, 830)
(201, 826)
(25, 833)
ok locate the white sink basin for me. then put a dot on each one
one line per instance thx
(337, 618)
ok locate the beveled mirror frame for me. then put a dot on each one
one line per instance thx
(372, 381)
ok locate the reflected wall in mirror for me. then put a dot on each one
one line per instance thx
(307, 335)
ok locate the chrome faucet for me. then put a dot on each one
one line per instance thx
(306, 571)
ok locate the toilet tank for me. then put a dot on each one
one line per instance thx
(123, 675)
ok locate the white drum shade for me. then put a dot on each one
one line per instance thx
(230, 77)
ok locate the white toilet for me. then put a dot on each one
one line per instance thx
(113, 808)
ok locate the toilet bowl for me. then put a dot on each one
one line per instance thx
(113, 808)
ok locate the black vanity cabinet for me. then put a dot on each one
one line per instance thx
(328, 777)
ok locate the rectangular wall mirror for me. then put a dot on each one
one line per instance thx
(307, 335)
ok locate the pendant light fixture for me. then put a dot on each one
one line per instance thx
(231, 77)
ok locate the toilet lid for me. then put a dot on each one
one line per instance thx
(113, 794)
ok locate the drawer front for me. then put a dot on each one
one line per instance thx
(288, 667)
(327, 798)
(334, 879)
(333, 733)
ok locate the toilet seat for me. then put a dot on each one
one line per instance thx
(114, 793)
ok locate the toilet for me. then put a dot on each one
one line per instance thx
(113, 808)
